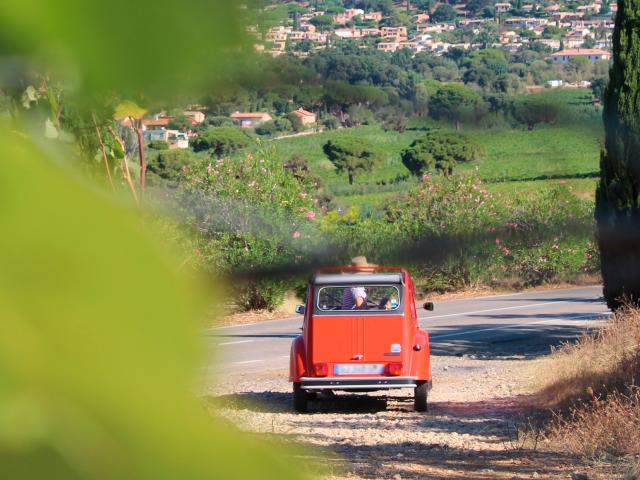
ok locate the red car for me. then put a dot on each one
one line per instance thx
(360, 333)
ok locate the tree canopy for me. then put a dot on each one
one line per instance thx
(351, 155)
(439, 150)
(455, 103)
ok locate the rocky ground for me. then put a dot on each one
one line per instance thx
(475, 429)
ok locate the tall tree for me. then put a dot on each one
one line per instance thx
(454, 102)
(351, 155)
(617, 202)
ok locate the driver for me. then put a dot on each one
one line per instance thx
(355, 298)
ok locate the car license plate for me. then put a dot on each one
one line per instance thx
(358, 369)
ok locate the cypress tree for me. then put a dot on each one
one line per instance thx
(617, 208)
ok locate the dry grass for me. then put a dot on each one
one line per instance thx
(592, 388)
(602, 362)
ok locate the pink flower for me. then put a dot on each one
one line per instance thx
(263, 170)
(497, 241)
(296, 234)
(556, 246)
(303, 194)
(261, 161)
(209, 168)
(301, 209)
(310, 214)
(505, 250)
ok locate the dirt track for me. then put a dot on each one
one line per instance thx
(471, 431)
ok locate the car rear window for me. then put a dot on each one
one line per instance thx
(376, 298)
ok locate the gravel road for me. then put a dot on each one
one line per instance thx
(477, 405)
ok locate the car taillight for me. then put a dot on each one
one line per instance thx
(394, 369)
(321, 369)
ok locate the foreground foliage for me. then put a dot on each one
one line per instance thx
(99, 341)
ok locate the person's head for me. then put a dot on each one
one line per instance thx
(385, 304)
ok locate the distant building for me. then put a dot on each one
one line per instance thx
(160, 123)
(396, 33)
(306, 117)
(195, 117)
(592, 54)
(343, 17)
(177, 139)
(375, 16)
(174, 138)
(251, 119)
(502, 7)
(388, 46)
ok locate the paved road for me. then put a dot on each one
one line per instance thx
(512, 325)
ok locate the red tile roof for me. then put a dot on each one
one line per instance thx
(581, 51)
(249, 114)
(303, 113)
(161, 122)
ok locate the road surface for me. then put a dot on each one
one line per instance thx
(498, 326)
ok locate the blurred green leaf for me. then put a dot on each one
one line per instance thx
(128, 109)
(146, 46)
(98, 342)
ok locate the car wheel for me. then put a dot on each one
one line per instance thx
(300, 398)
(312, 395)
(420, 396)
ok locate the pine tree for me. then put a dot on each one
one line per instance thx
(617, 195)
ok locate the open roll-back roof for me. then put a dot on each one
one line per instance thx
(358, 278)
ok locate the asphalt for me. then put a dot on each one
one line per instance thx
(518, 325)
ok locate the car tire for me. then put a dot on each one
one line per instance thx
(300, 398)
(420, 397)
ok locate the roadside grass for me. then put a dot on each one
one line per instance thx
(592, 388)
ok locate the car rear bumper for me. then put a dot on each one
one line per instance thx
(357, 383)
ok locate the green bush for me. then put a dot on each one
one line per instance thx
(158, 145)
(267, 128)
(248, 213)
(170, 166)
(221, 141)
(331, 122)
(263, 294)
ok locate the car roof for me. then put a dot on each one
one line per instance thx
(357, 278)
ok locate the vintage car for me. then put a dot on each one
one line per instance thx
(351, 344)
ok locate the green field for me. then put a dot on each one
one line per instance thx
(514, 159)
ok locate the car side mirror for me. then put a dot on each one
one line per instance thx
(300, 309)
(428, 306)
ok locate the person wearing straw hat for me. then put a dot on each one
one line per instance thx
(355, 298)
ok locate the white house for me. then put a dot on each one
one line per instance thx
(592, 54)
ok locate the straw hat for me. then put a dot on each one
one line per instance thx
(361, 262)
